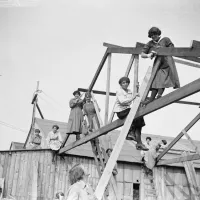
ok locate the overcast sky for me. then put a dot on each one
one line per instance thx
(60, 43)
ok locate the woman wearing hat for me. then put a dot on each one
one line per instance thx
(166, 75)
(74, 124)
(122, 107)
(90, 112)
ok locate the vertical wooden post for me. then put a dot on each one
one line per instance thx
(107, 97)
(35, 102)
(107, 90)
(126, 74)
(191, 176)
(136, 83)
(129, 65)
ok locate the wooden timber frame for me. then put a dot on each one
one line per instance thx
(187, 54)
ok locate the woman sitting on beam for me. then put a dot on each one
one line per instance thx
(122, 107)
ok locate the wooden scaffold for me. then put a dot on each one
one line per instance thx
(187, 54)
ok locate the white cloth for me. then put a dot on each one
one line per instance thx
(123, 100)
(54, 140)
(143, 152)
(80, 191)
(151, 155)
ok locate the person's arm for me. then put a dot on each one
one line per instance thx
(168, 42)
(145, 51)
(73, 103)
(59, 137)
(125, 100)
(84, 110)
(73, 195)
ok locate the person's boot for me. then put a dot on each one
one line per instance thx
(140, 146)
(131, 136)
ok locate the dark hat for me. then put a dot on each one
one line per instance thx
(124, 78)
(55, 126)
(37, 131)
(88, 94)
(108, 150)
(76, 92)
(154, 31)
(148, 138)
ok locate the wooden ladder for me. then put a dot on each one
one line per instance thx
(99, 150)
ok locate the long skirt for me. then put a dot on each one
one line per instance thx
(166, 75)
(74, 124)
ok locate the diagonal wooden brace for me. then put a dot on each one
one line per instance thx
(166, 100)
(179, 136)
(120, 141)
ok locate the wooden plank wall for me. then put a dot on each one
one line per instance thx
(31, 175)
(177, 184)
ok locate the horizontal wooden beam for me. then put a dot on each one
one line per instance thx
(114, 94)
(178, 137)
(139, 44)
(194, 59)
(187, 63)
(98, 70)
(188, 103)
(163, 51)
(108, 45)
(96, 91)
(179, 159)
(168, 99)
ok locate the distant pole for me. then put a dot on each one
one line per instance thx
(34, 102)
(136, 83)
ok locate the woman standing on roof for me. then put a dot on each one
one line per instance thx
(54, 140)
(74, 125)
(166, 75)
(122, 107)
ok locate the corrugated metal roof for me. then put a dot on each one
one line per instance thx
(128, 153)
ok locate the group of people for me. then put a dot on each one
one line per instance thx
(165, 77)
(79, 109)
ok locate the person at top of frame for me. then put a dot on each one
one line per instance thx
(166, 75)
(122, 107)
(74, 125)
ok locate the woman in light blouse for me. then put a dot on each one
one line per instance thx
(122, 107)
